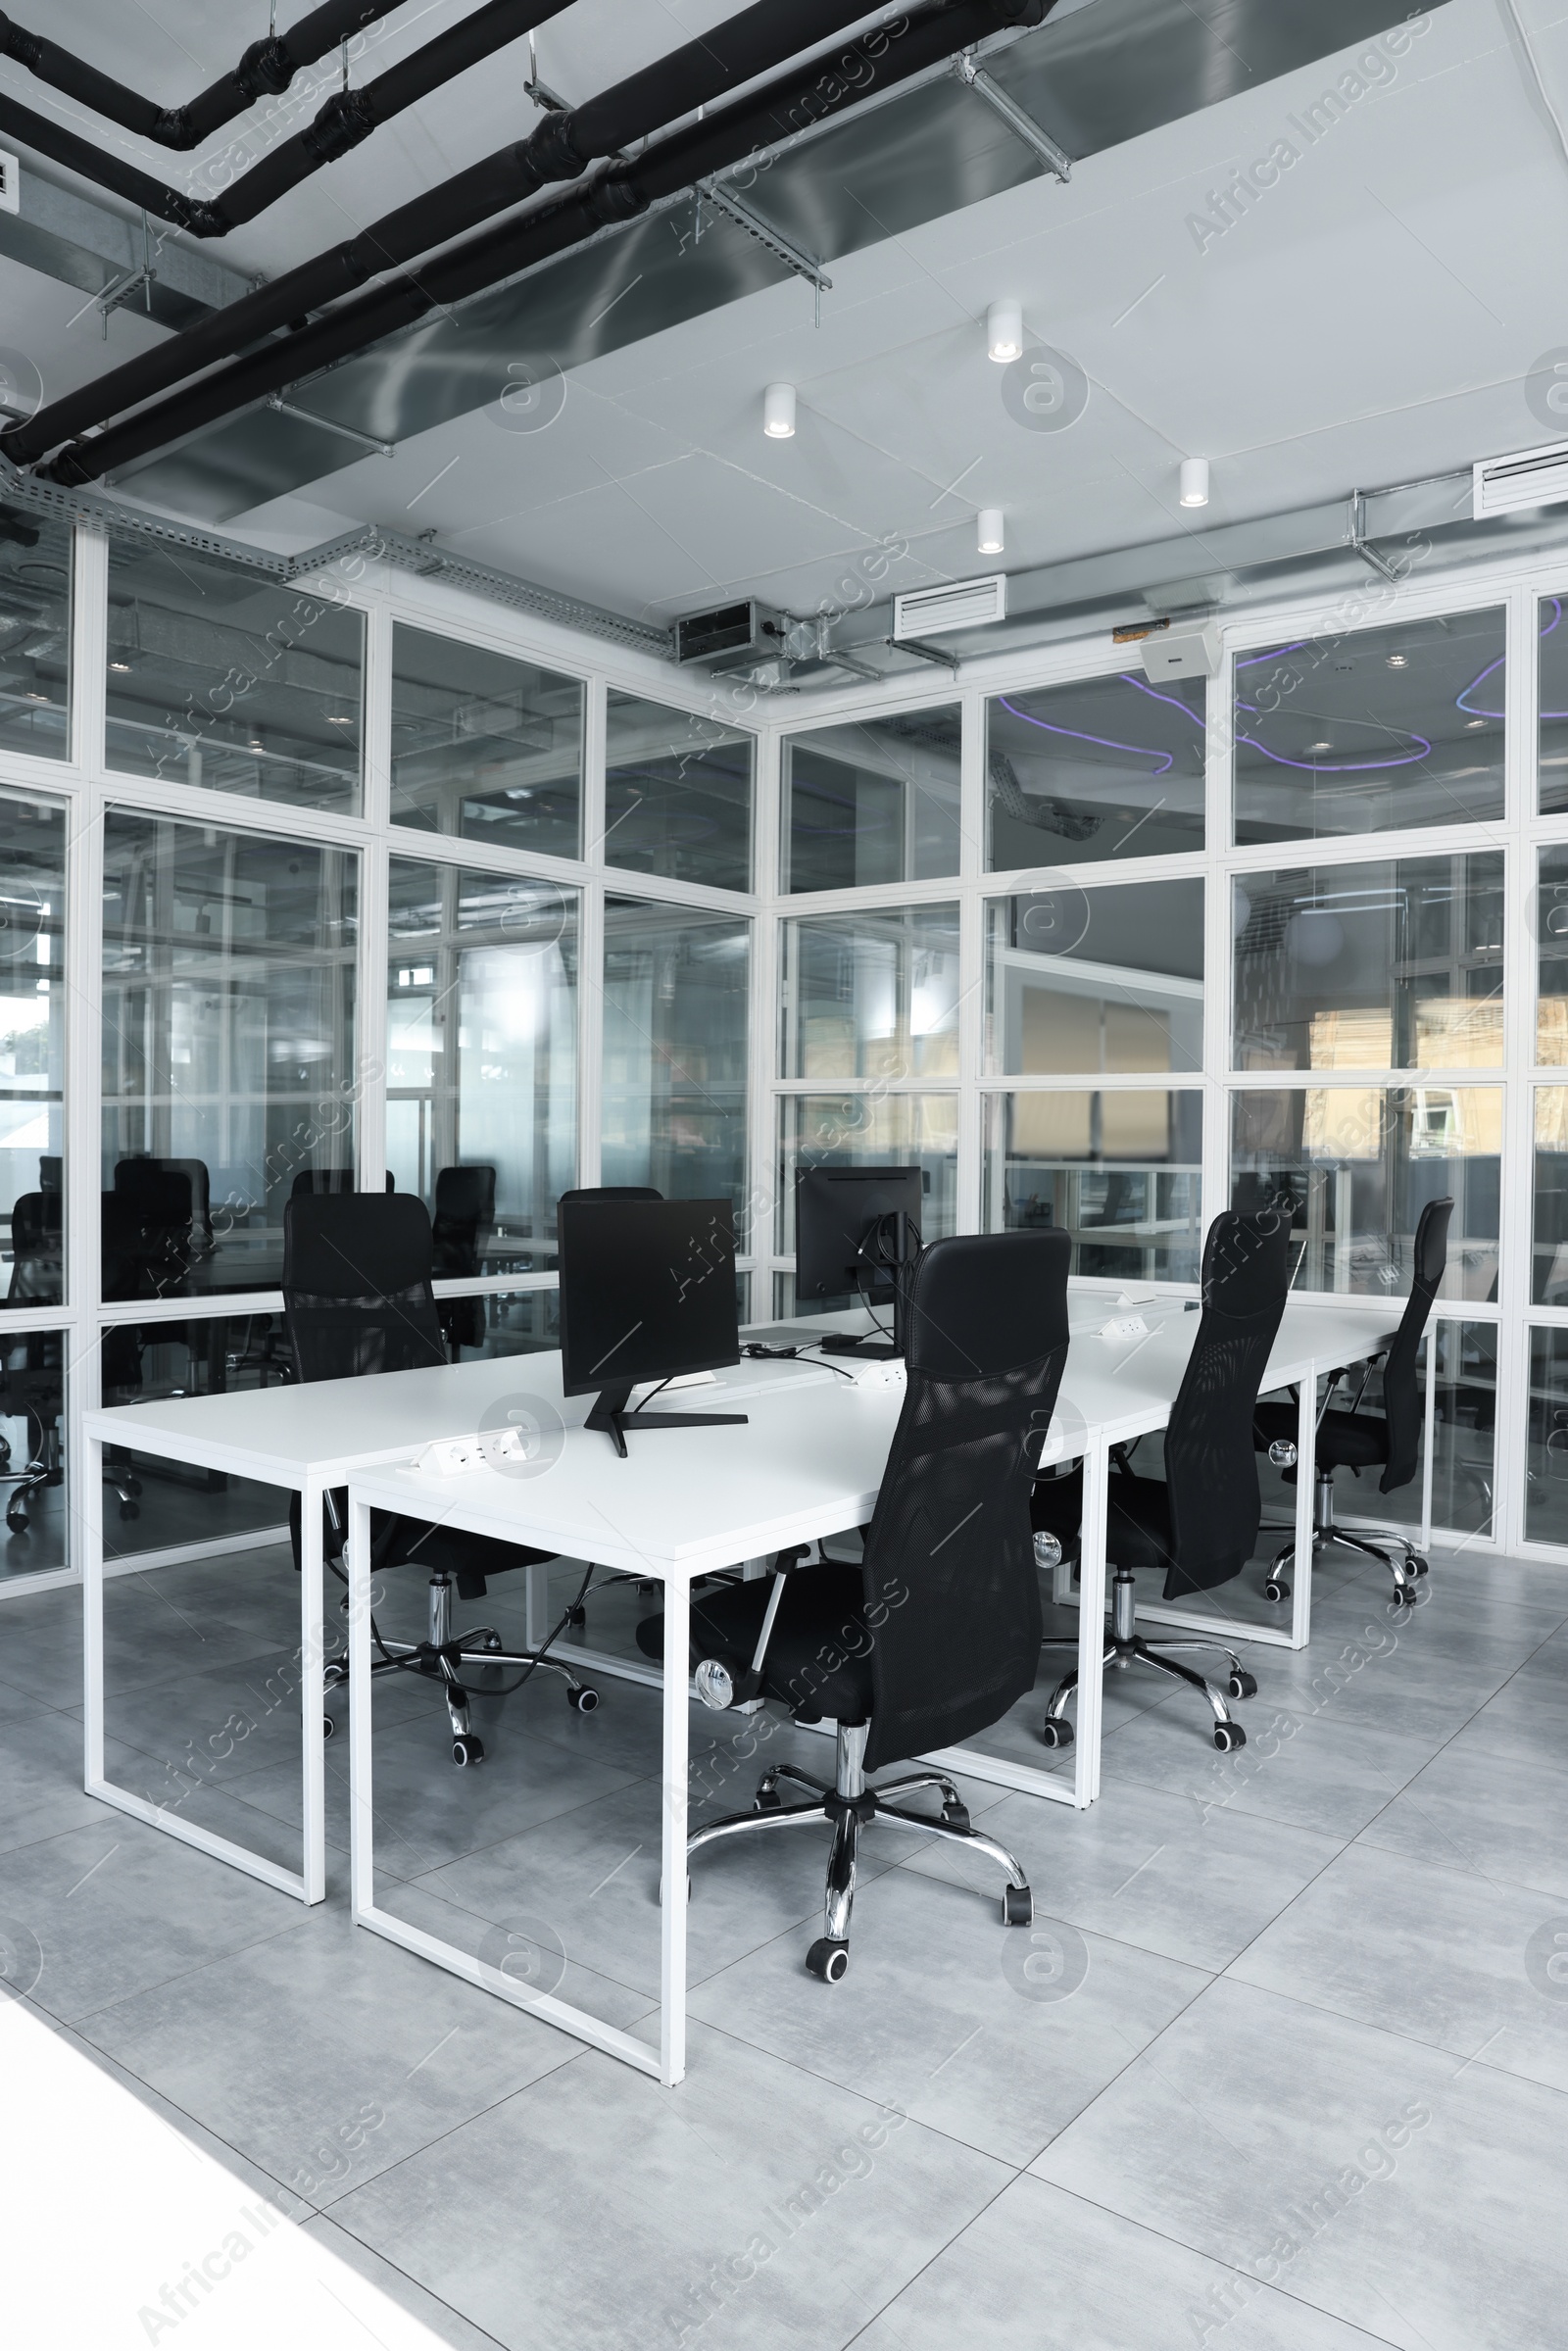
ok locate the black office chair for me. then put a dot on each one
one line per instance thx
(148, 1238)
(465, 1216)
(1198, 1524)
(357, 1300)
(1357, 1440)
(328, 1181)
(937, 1632)
(33, 1364)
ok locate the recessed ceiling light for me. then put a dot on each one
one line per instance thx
(993, 531)
(1194, 481)
(33, 695)
(778, 412)
(1472, 724)
(1320, 747)
(340, 721)
(256, 746)
(1398, 661)
(1005, 332)
(123, 667)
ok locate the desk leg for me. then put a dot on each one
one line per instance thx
(1305, 1494)
(535, 1605)
(92, 1610)
(1090, 1624)
(361, 1847)
(673, 1954)
(312, 1696)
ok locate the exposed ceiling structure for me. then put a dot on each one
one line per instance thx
(1303, 241)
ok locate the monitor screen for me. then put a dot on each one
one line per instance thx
(646, 1289)
(837, 1210)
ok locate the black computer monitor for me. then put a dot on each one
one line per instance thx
(856, 1229)
(647, 1292)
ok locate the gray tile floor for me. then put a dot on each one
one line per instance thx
(1283, 2065)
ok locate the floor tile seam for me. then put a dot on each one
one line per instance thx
(1105, 1935)
(461, 2316)
(572, 2054)
(930, 2261)
(1409, 2040)
(226, 1958)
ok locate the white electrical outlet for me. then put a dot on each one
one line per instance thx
(10, 184)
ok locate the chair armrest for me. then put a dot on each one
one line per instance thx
(722, 1682)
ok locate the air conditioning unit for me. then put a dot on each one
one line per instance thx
(1192, 650)
(1531, 477)
(966, 603)
(733, 636)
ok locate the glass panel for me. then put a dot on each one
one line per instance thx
(873, 801)
(1552, 691)
(1393, 965)
(1379, 731)
(32, 1047)
(33, 1451)
(676, 1007)
(677, 793)
(224, 679)
(165, 1503)
(1548, 1260)
(871, 1130)
(486, 746)
(1358, 1164)
(482, 1055)
(1551, 958)
(871, 996)
(228, 1066)
(1104, 979)
(1466, 1431)
(1547, 1454)
(508, 1322)
(1121, 1172)
(34, 635)
(1106, 768)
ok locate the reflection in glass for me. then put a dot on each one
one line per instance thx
(482, 1050)
(1546, 1445)
(677, 793)
(1548, 1260)
(873, 994)
(877, 801)
(1109, 979)
(1380, 730)
(33, 1451)
(677, 1008)
(1106, 768)
(34, 635)
(1552, 692)
(1465, 1430)
(165, 1503)
(1357, 1165)
(871, 1130)
(224, 678)
(1121, 1172)
(484, 744)
(509, 1322)
(1551, 958)
(1378, 967)
(229, 1067)
(32, 1047)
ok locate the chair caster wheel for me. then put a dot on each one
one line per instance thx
(491, 1640)
(130, 1509)
(1418, 1567)
(576, 1616)
(1242, 1685)
(17, 1523)
(828, 1959)
(466, 1749)
(1055, 1732)
(956, 1816)
(1228, 1736)
(767, 1800)
(1017, 1906)
(1276, 1588)
(583, 1699)
(329, 1727)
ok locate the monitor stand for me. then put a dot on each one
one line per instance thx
(610, 1415)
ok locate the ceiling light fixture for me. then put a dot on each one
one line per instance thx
(1005, 332)
(778, 412)
(120, 668)
(993, 532)
(1398, 661)
(1194, 481)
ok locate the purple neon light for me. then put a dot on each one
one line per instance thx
(1478, 710)
(1140, 751)
(1128, 679)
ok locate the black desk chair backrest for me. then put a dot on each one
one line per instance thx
(330, 1181)
(36, 1254)
(951, 1591)
(465, 1213)
(1210, 1465)
(357, 1295)
(1401, 1396)
(614, 1192)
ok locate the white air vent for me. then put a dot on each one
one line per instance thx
(1191, 651)
(967, 604)
(10, 184)
(1534, 477)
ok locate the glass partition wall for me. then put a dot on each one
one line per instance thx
(320, 886)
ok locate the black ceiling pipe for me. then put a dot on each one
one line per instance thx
(926, 37)
(561, 146)
(348, 117)
(265, 68)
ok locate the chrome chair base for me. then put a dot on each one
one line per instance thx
(1125, 1647)
(1406, 1570)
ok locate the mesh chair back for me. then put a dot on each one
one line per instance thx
(1401, 1397)
(1210, 1465)
(357, 1295)
(328, 1179)
(614, 1192)
(951, 1591)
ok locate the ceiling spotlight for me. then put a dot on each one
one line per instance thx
(993, 535)
(1398, 661)
(1194, 481)
(1471, 724)
(1314, 746)
(778, 412)
(120, 668)
(1005, 332)
(343, 722)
